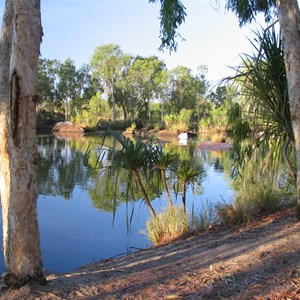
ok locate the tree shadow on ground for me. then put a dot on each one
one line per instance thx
(238, 263)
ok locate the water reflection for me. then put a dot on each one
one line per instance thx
(60, 166)
(84, 212)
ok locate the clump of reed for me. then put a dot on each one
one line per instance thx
(249, 204)
(168, 225)
(200, 221)
(253, 201)
(173, 222)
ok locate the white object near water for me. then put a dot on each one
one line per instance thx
(183, 136)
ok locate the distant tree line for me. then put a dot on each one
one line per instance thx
(119, 86)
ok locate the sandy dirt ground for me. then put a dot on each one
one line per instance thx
(257, 261)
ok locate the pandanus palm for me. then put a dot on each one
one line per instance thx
(134, 157)
(263, 81)
(162, 161)
(186, 174)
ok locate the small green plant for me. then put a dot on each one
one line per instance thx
(168, 225)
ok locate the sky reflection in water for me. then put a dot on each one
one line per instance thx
(77, 227)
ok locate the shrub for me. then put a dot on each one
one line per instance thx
(117, 125)
(229, 214)
(179, 122)
(201, 221)
(216, 121)
(252, 201)
(168, 225)
(46, 120)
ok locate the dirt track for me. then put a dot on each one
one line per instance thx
(259, 261)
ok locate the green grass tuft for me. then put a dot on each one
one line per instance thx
(253, 201)
(169, 224)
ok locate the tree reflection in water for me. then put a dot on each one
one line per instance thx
(87, 212)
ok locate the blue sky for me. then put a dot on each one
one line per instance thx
(74, 28)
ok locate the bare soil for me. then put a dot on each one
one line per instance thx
(211, 146)
(257, 261)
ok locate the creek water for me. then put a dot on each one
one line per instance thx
(83, 213)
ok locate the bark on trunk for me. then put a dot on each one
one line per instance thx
(114, 112)
(289, 19)
(66, 110)
(124, 112)
(19, 50)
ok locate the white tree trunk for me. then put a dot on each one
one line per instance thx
(114, 112)
(289, 19)
(19, 50)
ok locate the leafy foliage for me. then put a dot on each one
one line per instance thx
(187, 174)
(172, 15)
(119, 86)
(178, 122)
(162, 160)
(136, 158)
(108, 64)
(47, 77)
(215, 115)
(64, 88)
(265, 110)
(141, 85)
(246, 10)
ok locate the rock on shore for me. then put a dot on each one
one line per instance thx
(67, 126)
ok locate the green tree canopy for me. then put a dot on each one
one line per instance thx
(47, 78)
(144, 78)
(108, 65)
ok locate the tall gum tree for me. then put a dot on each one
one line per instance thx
(107, 65)
(19, 50)
(289, 19)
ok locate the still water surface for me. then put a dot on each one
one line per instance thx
(79, 223)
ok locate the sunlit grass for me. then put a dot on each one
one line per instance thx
(253, 201)
(168, 225)
(173, 223)
(200, 221)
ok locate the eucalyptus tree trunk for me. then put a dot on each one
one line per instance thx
(19, 50)
(289, 19)
(66, 109)
(114, 112)
(113, 100)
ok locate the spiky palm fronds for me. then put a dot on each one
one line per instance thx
(162, 160)
(134, 157)
(263, 82)
(187, 174)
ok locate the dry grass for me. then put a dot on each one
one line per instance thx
(169, 225)
(258, 261)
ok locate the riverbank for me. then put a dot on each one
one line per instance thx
(257, 261)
